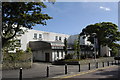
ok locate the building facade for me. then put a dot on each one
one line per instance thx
(46, 46)
(49, 46)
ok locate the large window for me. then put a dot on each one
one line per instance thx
(58, 54)
(60, 38)
(40, 36)
(35, 35)
(61, 53)
(56, 38)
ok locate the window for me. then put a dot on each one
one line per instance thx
(40, 36)
(35, 35)
(60, 38)
(56, 38)
(58, 54)
(61, 53)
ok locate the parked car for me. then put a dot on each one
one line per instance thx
(117, 58)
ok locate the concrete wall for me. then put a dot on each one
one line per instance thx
(40, 55)
(46, 36)
(105, 50)
(83, 41)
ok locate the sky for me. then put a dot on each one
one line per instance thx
(71, 17)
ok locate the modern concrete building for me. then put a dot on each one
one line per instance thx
(46, 46)
(49, 46)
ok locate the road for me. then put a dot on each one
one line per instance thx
(38, 71)
(106, 73)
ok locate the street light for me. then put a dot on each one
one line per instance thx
(94, 35)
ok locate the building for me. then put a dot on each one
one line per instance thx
(87, 47)
(49, 46)
(46, 46)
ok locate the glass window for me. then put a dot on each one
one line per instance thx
(60, 38)
(61, 53)
(40, 35)
(56, 38)
(57, 53)
(35, 35)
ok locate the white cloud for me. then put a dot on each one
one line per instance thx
(105, 8)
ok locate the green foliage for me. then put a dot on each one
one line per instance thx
(19, 56)
(28, 50)
(21, 14)
(69, 56)
(114, 51)
(106, 33)
(78, 47)
(75, 46)
(115, 47)
(65, 47)
(12, 44)
(72, 59)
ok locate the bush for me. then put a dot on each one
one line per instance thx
(83, 56)
(19, 56)
(105, 55)
(69, 56)
(17, 60)
(28, 50)
(72, 60)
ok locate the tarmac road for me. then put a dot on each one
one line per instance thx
(106, 73)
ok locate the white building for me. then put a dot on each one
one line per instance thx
(35, 35)
(47, 46)
(83, 41)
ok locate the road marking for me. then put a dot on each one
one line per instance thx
(82, 73)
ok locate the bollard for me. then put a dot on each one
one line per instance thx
(108, 63)
(79, 67)
(20, 74)
(103, 64)
(47, 71)
(89, 66)
(65, 68)
(96, 64)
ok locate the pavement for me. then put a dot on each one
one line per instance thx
(38, 71)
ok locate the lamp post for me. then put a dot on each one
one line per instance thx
(94, 35)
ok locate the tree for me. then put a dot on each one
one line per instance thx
(65, 47)
(75, 46)
(115, 49)
(106, 33)
(16, 15)
(78, 47)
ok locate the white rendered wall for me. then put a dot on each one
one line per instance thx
(46, 36)
(83, 41)
(105, 50)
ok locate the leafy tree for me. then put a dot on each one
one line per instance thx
(12, 45)
(106, 33)
(16, 15)
(115, 49)
(75, 46)
(65, 47)
(78, 47)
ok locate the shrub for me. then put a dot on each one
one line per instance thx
(28, 50)
(69, 56)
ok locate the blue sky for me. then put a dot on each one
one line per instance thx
(72, 17)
